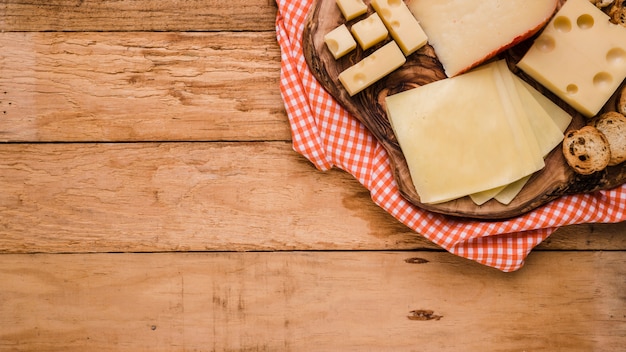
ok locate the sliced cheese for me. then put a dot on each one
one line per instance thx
(351, 8)
(560, 118)
(466, 32)
(580, 56)
(511, 191)
(459, 140)
(372, 68)
(483, 197)
(370, 31)
(339, 41)
(402, 25)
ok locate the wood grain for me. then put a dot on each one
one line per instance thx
(72, 87)
(184, 197)
(137, 15)
(148, 197)
(554, 180)
(311, 302)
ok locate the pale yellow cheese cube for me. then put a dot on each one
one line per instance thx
(351, 8)
(339, 41)
(372, 68)
(402, 25)
(580, 56)
(370, 31)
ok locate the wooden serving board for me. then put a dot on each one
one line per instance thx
(422, 67)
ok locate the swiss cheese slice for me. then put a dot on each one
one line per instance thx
(459, 140)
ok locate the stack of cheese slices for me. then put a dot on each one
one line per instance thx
(482, 134)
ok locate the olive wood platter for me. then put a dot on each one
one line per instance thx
(422, 67)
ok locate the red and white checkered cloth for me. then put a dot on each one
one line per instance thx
(328, 136)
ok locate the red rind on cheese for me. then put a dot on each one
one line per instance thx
(466, 33)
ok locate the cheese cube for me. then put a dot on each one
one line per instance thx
(580, 56)
(402, 25)
(372, 68)
(369, 31)
(339, 41)
(351, 8)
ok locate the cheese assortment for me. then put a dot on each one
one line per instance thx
(390, 16)
(460, 141)
(580, 56)
(482, 132)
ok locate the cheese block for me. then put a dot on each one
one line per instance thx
(402, 25)
(369, 31)
(372, 68)
(351, 8)
(339, 41)
(464, 33)
(459, 140)
(580, 56)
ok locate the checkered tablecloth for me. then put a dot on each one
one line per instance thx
(329, 137)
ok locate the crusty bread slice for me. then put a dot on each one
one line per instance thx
(613, 126)
(586, 150)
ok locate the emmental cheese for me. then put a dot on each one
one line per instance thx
(339, 41)
(402, 25)
(351, 8)
(372, 68)
(369, 31)
(580, 56)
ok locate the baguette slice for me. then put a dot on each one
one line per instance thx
(613, 127)
(586, 150)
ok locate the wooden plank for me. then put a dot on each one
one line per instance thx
(323, 301)
(137, 15)
(140, 87)
(201, 196)
(183, 197)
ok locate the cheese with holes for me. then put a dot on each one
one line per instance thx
(580, 56)
(339, 41)
(402, 25)
(369, 31)
(351, 8)
(372, 68)
(459, 140)
(464, 33)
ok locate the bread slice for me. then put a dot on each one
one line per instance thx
(613, 126)
(586, 150)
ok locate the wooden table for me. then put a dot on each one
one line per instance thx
(150, 200)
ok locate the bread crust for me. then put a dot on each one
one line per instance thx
(613, 126)
(586, 150)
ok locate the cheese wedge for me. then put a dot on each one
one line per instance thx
(459, 140)
(580, 56)
(464, 33)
